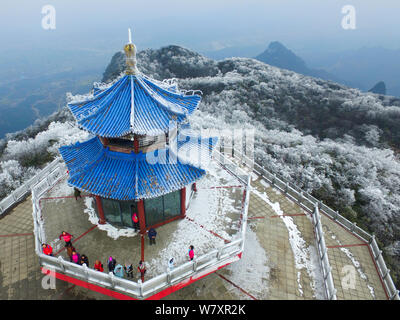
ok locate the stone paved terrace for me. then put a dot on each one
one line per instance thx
(268, 270)
(344, 249)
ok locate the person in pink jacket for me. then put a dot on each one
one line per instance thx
(191, 252)
(66, 237)
(75, 258)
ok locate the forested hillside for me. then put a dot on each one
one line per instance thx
(335, 142)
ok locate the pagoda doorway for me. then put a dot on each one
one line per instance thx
(119, 213)
(127, 210)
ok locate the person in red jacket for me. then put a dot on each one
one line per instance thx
(66, 237)
(135, 221)
(98, 266)
(47, 249)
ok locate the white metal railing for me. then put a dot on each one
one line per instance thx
(231, 166)
(323, 255)
(19, 193)
(308, 202)
(298, 195)
(207, 261)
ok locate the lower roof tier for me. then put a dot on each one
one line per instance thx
(120, 176)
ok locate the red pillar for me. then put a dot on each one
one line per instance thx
(102, 219)
(183, 202)
(142, 219)
(136, 143)
(194, 187)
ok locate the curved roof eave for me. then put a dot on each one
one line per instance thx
(119, 176)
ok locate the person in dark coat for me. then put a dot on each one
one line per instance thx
(152, 235)
(84, 260)
(111, 264)
(77, 193)
(129, 270)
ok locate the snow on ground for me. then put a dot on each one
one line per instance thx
(217, 176)
(356, 264)
(277, 191)
(265, 183)
(251, 272)
(305, 256)
(61, 189)
(112, 231)
(359, 270)
(209, 208)
(186, 234)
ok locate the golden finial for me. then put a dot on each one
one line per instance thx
(130, 53)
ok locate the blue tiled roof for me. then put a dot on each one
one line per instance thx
(96, 169)
(133, 104)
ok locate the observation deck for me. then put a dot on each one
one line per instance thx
(282, 246)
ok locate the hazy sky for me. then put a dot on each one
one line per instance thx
(99, 25)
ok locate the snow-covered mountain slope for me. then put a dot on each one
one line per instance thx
(333, 141)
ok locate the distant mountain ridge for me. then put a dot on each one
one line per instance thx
(370, 65)
(234, 51)
(278, 55)
(379, 88)
(359, 68)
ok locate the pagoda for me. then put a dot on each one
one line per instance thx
(132, 164)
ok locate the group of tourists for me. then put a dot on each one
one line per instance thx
(73, 255)
(117, 269)
(121, 270)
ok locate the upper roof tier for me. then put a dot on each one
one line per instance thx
(134, 104)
